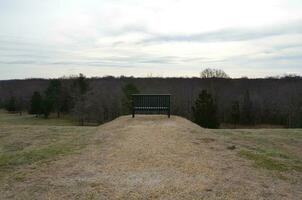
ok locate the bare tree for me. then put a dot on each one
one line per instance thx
(213, 73)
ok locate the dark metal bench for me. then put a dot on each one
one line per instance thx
(151, 103)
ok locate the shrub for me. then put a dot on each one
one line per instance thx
(205, 111)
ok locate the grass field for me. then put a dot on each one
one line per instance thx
(29, 145)
(26, 119)
(271, 149)
(28, 141)
(24, 147)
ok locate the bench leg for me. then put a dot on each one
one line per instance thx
(133, 113)
(168, 113)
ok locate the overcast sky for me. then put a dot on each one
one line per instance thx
(52, 38)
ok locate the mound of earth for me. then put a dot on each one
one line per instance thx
(154, 157)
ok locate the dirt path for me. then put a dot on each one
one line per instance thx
(153, 157)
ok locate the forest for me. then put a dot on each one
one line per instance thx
(225, 101)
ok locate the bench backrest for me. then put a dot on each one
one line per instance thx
(151, 102)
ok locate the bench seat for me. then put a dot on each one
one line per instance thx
(151, 108)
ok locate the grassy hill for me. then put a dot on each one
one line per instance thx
(148, 157)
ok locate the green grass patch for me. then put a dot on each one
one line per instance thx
(276, 150)
(277, 144)
(264, 161)
(277, 154)
(24, 149)
(11, 160)
(19, 176)
(23, 146)
(15, 146)
(27, 119)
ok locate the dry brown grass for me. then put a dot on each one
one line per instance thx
(151, 157)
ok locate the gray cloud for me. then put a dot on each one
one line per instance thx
(94, 35)
(230, 34)
(114, 61)
(131, 28)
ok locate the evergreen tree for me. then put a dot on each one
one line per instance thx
(53, 95)
(36, 104)
(204, 111)
(128, 90)
(66, 102)
(80, 89)
(11, 104)
(247, 109)
(235, 113)
(81, 84)
(47, 107)
(20, 105)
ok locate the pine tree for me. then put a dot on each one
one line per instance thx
(81, 84)
(47, 107)
(235, 113)
(205, 111)
(53, 95)
(80, 93)
(128, 90)
(11, 104)
(247, 109)
(36, 104)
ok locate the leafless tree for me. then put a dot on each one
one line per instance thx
(213, 73)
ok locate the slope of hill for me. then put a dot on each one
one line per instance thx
(148, 157)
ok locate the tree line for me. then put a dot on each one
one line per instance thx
(70, 96)
(210, 101)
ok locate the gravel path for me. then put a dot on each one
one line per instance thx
(153, 157)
